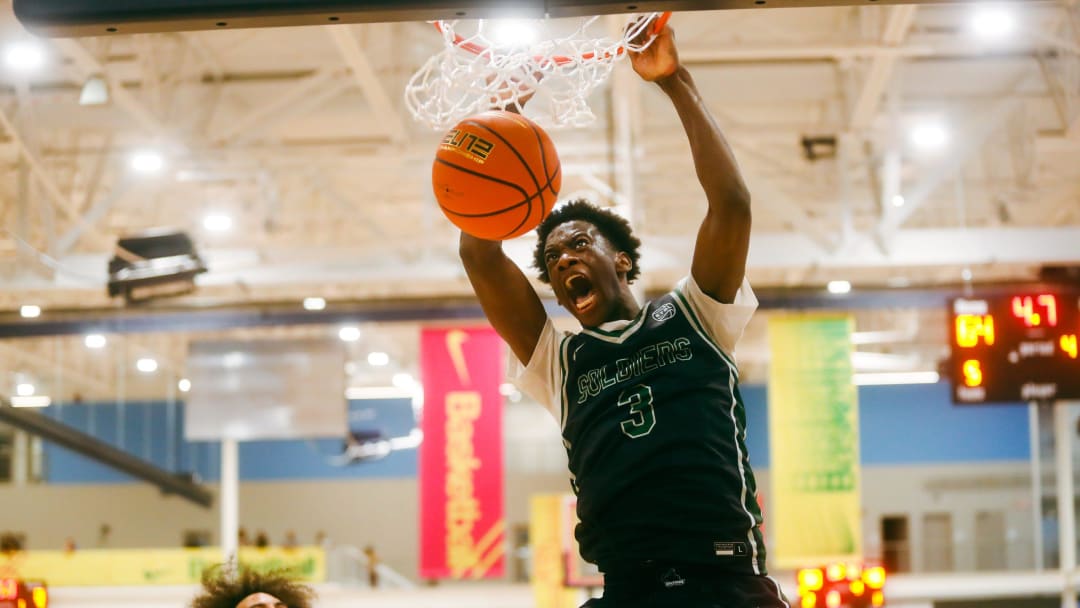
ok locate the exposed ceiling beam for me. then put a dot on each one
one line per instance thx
(825, 51)
(91, 217)
(89, 65)
(970, 140)
(278, 103)
(299, 107)
(357, 60)
(912, 247)
(17, 355)
(897, 26)
(59, 200)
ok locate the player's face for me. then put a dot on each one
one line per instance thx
(261, 600)
(584, 270)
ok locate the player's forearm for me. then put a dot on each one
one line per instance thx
(508, 299)
(714, 161)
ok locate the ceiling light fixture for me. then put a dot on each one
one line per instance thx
(146, 365)
(839, 287)
(30, 401)
(94, 341)
(993, 22)
(24, 56)
(147, 161)
(217, 222)
(95, 92)
(929, 136)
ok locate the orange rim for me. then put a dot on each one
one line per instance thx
(479, 49)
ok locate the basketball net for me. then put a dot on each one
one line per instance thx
(473, 73)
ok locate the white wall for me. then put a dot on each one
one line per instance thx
(385, 512)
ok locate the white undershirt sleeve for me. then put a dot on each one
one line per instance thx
(724, 322)
(540, 378)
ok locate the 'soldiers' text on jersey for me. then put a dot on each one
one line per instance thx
(655, 431)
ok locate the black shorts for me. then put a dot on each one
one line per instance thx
(687, 586)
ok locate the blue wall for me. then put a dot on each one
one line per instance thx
(154, 431)
(899, 425)
(913, 424)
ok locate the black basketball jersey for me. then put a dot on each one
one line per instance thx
(655, 431)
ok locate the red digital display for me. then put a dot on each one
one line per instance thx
(1015, 348)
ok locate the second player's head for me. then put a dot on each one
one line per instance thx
(226, 586)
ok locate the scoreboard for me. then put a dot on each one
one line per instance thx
(1015, 347)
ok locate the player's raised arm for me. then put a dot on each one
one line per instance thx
(724, 237)
(505, 294)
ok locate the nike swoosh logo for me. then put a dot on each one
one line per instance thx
(455, 338)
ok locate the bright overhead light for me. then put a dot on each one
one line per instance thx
(879, 378)
(217, 222)
(898, 201)
(513, 32)
(184, 385)
(147, 161)
(95, 92)
(349, 333)
(993, 22)
(30, 311)
(146, 365)
(839, 286)
(234, 359)
(314, 303)
(24, 389)
(378, 358)
(404, 381)
(24, 56)
(929, 136)
(94, 341)
(30, 401)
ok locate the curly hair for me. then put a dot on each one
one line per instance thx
(614, 227)
(226, 586)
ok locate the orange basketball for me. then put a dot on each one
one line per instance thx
(496, 175)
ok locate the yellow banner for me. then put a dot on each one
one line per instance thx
(814, 442)
(152, 566)
(548, 553)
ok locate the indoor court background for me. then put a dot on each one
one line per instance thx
(914, 151)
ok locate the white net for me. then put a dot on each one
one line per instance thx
(477, 71)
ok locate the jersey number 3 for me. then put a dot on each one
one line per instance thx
(642, 416)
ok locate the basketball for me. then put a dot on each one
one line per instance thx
(496, 175)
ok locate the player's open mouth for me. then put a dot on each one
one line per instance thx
(579, 292)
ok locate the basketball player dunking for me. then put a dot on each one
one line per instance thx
(647, 396)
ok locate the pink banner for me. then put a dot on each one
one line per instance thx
(462, 528)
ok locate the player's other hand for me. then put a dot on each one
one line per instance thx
(515, 91)
(660, 59)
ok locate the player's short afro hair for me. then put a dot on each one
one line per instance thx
(614, 227)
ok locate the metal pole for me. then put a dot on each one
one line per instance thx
(1063, 431)
(1036, 483)
(230, 499)
(20, 452)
